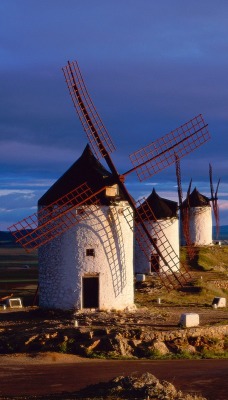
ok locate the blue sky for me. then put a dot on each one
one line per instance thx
(149, 67)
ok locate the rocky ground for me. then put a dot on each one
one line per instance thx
(143, 333)
(140, 334)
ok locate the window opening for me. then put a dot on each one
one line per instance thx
(90, 252)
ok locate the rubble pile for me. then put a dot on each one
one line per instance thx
(146, 386)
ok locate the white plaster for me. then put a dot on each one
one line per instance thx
(167, 234)
(200, 226)
(14, 302)
(63, 261)
(188, 320)
(220, 302)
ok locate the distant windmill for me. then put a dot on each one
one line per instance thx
(60, 215)
(195, 214)
(163, 222)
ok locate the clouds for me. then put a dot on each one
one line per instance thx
(149, 67)
(35, 156)
(19, 196)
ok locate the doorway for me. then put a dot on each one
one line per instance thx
(154, 262)
(90, 292)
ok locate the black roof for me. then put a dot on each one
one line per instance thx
(196, 199)
(162, 208)
(86, 169)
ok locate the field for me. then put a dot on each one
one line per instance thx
(209, 279)
(18, 273)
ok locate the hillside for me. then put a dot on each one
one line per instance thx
(7, 239)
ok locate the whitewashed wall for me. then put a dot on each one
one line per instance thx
(63, 262)
(200, 225)
(170, 228)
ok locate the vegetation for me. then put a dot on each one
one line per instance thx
(207, 258)
(18, 273)
(208, 268)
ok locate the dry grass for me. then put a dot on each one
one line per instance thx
(209, 265)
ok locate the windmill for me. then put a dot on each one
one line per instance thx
(195, 213)
(163, 223)
(58, 216)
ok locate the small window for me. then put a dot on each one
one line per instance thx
(90, 252)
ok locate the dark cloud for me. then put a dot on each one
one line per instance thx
(149, 67)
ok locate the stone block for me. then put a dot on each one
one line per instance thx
(188, 320)
(14, 302)
(219, 302)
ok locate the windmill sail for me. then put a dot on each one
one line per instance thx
(161, 153)
(51, 221)
(91, 121)
(161, 247)
(184, 211)
(214, 199)
(147, 161)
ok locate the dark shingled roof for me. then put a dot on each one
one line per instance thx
(86, 169)
(162, 208)
(196, 199)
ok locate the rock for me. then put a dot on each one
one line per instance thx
(93, 345)
(104, 345)
(121, 345)
(160, 347)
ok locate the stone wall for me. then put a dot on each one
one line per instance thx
(166, 233)
(200, 226)
(64, 262)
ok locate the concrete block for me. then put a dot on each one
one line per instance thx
(188, 320)
(14, 303)
(219, 302)
(140, 277)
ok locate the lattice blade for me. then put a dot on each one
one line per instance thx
(217, 219)
(214, 199)
(153, 158)
(172, 274)
(109, 228)
(54, 219)
(95, 130)
(184, 212)
(185, 220)
(178, 175)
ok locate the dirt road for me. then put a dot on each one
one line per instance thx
(22, 375)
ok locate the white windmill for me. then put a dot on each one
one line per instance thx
(82, 227)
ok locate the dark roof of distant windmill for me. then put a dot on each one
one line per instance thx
(86, 169)
(196, 199)
(162, 208)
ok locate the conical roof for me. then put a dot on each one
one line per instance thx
(86, 169)
(162, 208)
(196, 199)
